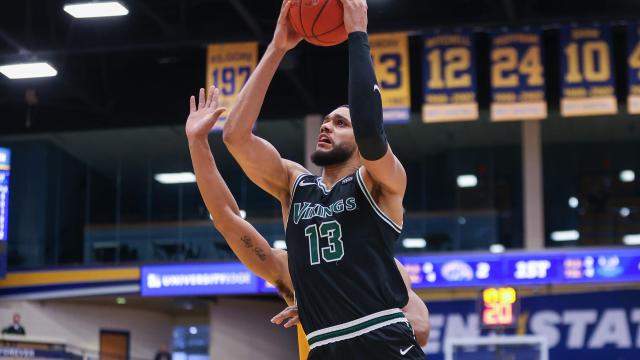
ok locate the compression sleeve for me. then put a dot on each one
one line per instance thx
(365, 102)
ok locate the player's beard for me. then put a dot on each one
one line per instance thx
(338, 155)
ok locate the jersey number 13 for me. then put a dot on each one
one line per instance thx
(333, 232)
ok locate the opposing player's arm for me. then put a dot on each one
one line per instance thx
(252, 249)
(365, 103)
(416, 310)
(258, 158)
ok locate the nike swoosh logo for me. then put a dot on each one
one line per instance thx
(302, 183)
(376, 88)
(405, 351)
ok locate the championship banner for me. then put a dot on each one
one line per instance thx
(633, 101)
(229, 66)
(588, 81)
(390, 53)
(517, 76)
(449, 77)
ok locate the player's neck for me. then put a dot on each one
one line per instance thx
(331, 174)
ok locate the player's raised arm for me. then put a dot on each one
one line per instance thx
(257, 157)
(250, 247)
(365, 105)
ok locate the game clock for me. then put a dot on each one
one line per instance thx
(499, 308)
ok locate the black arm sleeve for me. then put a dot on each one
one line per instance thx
(365, 102)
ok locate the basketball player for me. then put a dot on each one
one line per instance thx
(341, 227)
(250, 247)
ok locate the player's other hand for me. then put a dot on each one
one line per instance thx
(203, 117)
(285, 38)
(290, 314)
(355, 15)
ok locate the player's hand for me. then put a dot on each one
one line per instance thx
(203, 117)
(290, 313)
(285, 38)
(355, 15)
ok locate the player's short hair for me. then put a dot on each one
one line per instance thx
(344, 106)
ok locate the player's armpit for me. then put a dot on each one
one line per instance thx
(387, 198)
(387, 173)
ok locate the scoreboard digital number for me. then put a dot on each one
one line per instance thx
(517, 76)
(588, 81)
(449, 78)
(499, 308)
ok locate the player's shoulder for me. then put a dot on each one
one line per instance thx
(295, 172)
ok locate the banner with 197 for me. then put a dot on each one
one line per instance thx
(229, 66)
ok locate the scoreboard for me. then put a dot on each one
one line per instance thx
(525, 268)
(5, 169)
(489, 271)
(499, 308)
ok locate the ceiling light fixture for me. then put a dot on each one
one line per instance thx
(96, 9)
(28, 70)
(175, 178)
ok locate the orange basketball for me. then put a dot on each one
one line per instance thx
(320, 22)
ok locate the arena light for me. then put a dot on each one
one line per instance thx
(631, 239)
(414, 243)
(96, 9)
(496, 248)
(467, 181)
(28, 70)
(175, 178)
(121, 301)
(280, 244)
(243, 214)
(627, 176)
(566, 235)
(574, 202)
(625, 212)
(193, 330)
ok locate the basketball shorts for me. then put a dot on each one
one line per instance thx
(395, 341)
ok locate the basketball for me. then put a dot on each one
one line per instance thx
(320, 22)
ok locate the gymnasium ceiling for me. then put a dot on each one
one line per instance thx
(138, 70)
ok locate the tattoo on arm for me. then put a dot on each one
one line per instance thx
(260, 254)
(246, 240)
(248, 243)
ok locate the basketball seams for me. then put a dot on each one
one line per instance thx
(309, 20)
(323, 43)
(315, 21)
(301, 20)
(330, 30)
